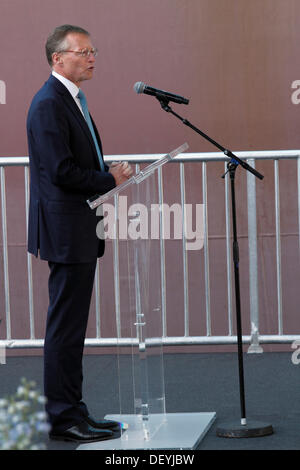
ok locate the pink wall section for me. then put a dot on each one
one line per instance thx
(236, 61)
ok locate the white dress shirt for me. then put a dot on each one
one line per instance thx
(72, 88)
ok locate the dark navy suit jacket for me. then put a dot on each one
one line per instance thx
(64, 173)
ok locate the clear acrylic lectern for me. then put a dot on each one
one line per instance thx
(132, 218)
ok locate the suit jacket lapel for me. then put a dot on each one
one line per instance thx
(69, 100)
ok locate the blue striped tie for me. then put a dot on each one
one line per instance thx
(83, 102)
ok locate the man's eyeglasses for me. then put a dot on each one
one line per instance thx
(85, 52)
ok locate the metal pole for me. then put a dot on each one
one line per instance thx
(253, 265)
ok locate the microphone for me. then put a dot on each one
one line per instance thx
(140, 87)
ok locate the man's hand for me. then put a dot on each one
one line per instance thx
(121, 171)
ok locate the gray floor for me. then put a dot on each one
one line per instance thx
(195, 383)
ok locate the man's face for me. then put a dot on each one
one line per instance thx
(71, 65)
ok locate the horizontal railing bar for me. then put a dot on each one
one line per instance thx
(208, 156)
(166, 341)
(185, 157)
(14, 161)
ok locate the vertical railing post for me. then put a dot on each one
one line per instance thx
(162, 254)
(5, 253)
(253, 264)
(97, 301)
(278, 245)
(206, 251)
(298, 181)
(117, 268)
(184, 255)
(228, 255)
(29, 259)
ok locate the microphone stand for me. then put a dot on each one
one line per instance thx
(245, 428)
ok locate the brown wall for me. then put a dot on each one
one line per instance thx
(235, 59)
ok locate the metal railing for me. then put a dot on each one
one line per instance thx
(255, 339)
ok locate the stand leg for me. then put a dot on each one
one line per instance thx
(245, 428)
(232, 168)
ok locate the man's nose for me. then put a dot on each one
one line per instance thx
(91, 57)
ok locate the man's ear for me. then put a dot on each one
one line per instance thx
(56, 58)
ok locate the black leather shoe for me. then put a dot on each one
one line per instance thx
(103, 423)
(82, 432)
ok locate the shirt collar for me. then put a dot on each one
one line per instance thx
(72, 88)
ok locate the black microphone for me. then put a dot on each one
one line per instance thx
(140, 87)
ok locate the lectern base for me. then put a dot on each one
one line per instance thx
(178, 431)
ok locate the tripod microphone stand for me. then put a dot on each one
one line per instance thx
(246, 428)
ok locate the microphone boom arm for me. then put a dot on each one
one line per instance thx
(164, 102)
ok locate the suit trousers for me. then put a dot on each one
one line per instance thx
(70, 291)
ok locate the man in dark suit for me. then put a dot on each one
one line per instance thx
(66, 168)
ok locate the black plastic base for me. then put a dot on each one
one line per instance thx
(251, 429)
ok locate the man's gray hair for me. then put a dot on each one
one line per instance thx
(56, 40)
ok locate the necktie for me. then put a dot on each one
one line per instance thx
(83, 102)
